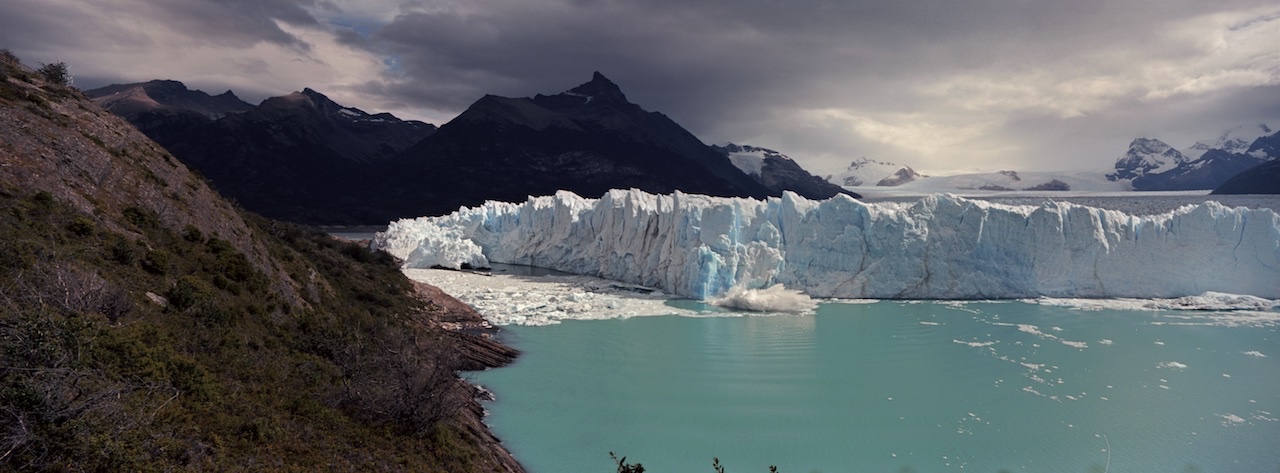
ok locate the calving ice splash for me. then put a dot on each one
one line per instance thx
(940, 247)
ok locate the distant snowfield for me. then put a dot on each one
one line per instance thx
(1092, 182)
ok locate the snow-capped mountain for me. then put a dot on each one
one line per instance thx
(1235, 140)
(1147, 156)
(1152, 165)
(866, 172)
(778, 172)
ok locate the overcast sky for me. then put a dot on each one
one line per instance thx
(939, 85)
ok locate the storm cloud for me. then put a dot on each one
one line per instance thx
(939, 85)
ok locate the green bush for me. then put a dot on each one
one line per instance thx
(81, 226)
(157, 262)
(188, 292)
(142, 218)
(123, 252)
(192, 234)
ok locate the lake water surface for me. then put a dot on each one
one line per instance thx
(897, 386)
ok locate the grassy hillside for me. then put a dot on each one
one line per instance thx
(147, 324)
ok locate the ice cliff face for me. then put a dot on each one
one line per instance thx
(942, 246)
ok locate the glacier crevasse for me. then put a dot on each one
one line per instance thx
(940, 247)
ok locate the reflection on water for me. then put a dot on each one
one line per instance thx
(896, 386)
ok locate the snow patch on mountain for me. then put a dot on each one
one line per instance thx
(750, 159)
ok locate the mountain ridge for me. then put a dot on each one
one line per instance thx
(286, 156)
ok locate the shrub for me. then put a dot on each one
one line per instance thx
(157, 262)
(43, 199)
(7, 58)
(55, 73)
(192, 234)
(142, 218)
(81, 227)
(121, 251)
(188, 292)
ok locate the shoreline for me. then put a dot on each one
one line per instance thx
(474, 339)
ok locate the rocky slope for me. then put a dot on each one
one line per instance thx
(146, 324)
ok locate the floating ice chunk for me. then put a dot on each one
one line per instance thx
(775, 298)
(974, 344)
(1216, 301)
(1208, 301)
(1230, 419)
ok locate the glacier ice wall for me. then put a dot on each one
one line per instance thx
(940, 247)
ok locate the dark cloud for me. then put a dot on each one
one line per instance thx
(1006, 83)
(54, 24)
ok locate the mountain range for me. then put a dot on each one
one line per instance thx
(1148, 165)
(304, 158)
(1153, 165)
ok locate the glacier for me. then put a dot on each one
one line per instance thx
(939, 247)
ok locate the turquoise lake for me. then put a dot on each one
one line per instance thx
(896, 386)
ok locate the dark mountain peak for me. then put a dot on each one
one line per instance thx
(315, 96)
(307, 99)
(598, 94)
(600, 88)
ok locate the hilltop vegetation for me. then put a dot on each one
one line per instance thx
(147, 324)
